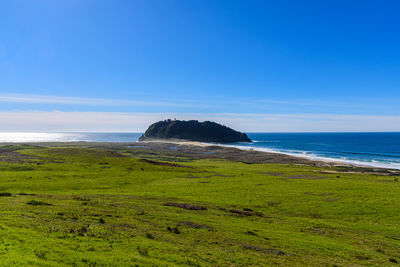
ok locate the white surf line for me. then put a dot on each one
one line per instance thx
(320, 158)
(269, 150)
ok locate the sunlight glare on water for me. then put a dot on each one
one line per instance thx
(39, 137)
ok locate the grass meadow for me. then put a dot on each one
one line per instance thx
(63, 206)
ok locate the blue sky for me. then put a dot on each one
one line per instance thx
(253, 65)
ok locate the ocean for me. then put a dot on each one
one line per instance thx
(369, 149)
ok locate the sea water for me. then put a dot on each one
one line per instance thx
(22, 137)
(370, 149)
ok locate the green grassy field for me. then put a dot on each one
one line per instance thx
(92, 207)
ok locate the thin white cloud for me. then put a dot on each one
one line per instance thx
(41, 121)
(215, 103)
(77, 101)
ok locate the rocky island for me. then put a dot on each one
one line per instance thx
(193, 130)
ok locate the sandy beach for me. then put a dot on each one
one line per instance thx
(198, 150)
(249, 155)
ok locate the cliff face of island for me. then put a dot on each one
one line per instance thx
(194, 131)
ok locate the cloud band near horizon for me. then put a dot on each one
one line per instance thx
(53, 121)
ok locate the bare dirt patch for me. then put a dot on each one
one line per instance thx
(273, 203)
(273, 173)
(195, 225)
(14, 157)
(326, 194)
(185, 206)
(306, 176)
(208, 176)
(246, 212)
(164, 163)
(25, 194)
(331, 199)
(320, 194)
(192, 177)
(265, 250)
(38, 203)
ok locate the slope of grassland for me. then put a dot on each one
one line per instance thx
(96, 207)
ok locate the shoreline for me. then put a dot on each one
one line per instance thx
(311, 158)
(322, 158)
(200, 150)
(339, 158)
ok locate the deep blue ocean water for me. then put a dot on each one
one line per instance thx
(373, 149)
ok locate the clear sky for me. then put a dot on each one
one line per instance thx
(118, 65)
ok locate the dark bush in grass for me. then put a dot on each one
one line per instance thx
(149, 236)
(174, 229)
(143, 251)
(40, 254)
(38, 203)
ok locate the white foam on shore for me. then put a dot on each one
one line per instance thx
(310, 156)
(23, 137)
(300, 154)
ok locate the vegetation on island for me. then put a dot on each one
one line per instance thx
(193, 130)
(127, 206)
